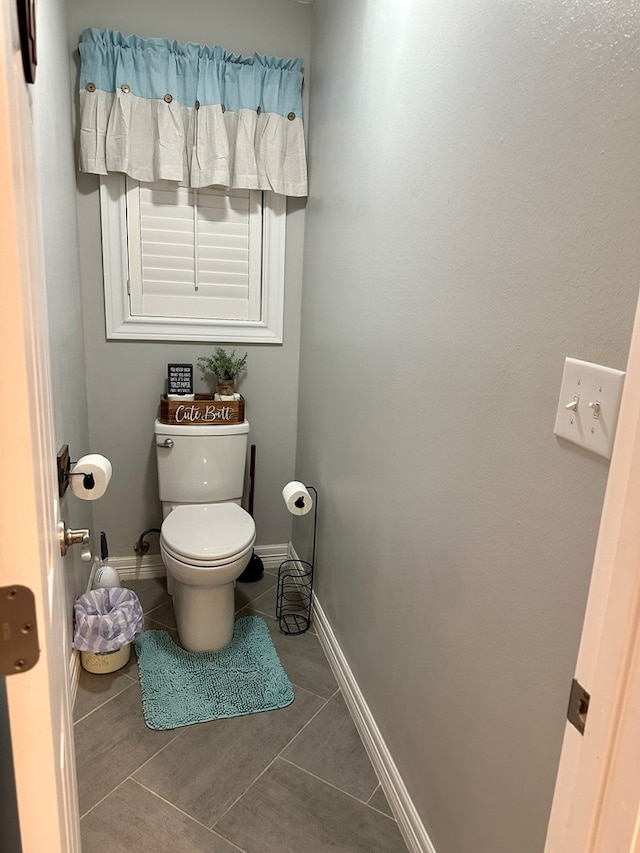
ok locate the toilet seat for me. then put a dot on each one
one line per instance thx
(207, 535)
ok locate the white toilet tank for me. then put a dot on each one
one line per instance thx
(200, 464)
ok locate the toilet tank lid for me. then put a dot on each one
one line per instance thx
(201, 429)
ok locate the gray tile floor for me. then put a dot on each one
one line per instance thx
(297, 780)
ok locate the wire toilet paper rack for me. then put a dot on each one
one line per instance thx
(294, 602)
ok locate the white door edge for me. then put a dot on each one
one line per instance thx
(38, 700)
(597, 795)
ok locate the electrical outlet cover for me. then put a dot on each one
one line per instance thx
(595, 392)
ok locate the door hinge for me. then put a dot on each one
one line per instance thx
(578, 706)
(129, 286)
(19, 650)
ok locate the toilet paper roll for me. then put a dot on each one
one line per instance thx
(99, 468)
(297, 498)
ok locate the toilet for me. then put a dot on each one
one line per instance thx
(207, 538)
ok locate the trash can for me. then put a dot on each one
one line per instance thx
(106, 622)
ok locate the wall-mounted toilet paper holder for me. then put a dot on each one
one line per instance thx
(64, 469)
(89, 480)
(64, 472)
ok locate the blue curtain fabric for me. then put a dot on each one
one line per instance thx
(158, 110)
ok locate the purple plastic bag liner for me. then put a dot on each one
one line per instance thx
(106, 619)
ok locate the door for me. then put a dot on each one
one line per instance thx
(38, 700)
(596, 806)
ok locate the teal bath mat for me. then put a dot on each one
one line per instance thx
(180, 688)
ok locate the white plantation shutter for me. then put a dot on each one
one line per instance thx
(184, 265)
(194, 253)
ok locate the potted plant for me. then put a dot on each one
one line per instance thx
(226, 366)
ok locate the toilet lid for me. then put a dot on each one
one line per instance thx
(208, 532)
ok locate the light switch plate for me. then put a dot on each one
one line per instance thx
(589, 404)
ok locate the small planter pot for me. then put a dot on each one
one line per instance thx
(226, 387)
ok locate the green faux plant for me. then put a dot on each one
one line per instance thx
(225, 365)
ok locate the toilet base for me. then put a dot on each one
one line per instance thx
(204, 617)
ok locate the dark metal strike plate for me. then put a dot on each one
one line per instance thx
(19, 649)
(578, 706)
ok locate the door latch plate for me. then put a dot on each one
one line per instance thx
(19, 650)
(578, 706)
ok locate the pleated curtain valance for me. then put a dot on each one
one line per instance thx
(158, 110)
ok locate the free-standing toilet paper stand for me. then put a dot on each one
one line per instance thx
(295, 587)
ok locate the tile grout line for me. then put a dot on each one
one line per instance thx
(317, 695)
(249, 604)
(375, 791)
(186, 814)
(378, 786)
(324, 700)
(156, 607)
(264, 770)
(166, 628)
(335, 788)
(250, 607)
(386, 814)
(102, 799)
(155, 754)
(115, 787)
(311, 630)
(106, 701)
(154, 619)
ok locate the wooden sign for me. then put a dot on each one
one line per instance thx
(203, 410)
(180, 379)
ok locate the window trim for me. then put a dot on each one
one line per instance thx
(122, 325)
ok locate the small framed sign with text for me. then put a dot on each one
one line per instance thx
(180, 379)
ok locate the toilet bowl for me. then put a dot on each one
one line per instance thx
(205, 547)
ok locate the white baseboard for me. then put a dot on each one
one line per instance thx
(409, 822)
(138, 568)
(151, 565)
(272, 555)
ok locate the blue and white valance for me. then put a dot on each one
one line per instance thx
(158, 110)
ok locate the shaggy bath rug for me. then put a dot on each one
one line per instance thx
(180, 688)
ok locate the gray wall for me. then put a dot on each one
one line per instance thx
(56, 170)
(472, 220)
(125, 379)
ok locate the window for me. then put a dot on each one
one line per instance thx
(188, 264)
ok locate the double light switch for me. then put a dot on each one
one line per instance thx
(589, 404)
